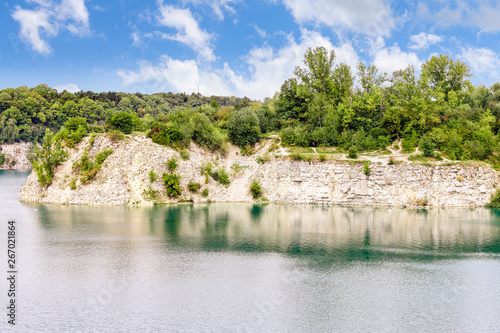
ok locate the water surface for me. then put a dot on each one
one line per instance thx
(252, 268)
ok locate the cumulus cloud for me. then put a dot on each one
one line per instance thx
(70, 87)
(484, 63)
(370, 17)
(47, 19)
(390, 59)
(482, 14)
(188, 30)
(269, 68)
(422, 41)
(219, 7)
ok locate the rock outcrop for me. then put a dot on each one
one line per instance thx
(16, 156)
(124, 179)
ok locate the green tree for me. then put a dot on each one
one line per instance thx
(243, 127)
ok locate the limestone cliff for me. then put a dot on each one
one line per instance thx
(123, 179)
(16, 156)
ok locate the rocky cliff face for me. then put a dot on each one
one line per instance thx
(123, 180)
(16, 156)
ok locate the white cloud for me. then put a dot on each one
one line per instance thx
(422, 41)
(482, 14)
(370, 17)
(390, 59)
(219, 7)
(484, 63)
(47, 19)
(33, 24)
(70, 87)
(269, 68)
(189, 32)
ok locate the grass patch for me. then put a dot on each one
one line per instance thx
(194, 187)
(301, 150)
(421, 158)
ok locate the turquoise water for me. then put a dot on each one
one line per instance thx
(251, 268)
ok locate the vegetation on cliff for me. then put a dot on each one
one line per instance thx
(324, 105)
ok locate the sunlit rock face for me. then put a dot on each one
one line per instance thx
(16, 156)
(124, 179)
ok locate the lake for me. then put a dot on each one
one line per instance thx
(250, 268)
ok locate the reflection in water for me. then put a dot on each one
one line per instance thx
(350, 233)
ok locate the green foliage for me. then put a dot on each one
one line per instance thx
(152, 176)
(220, 175)
(495, 200)
(115, 135)
(89, 169)
(256, 189)
(2, 158)
(204, 193)
(243, 127)
(366, 168)
(172, 184)
(194, 187)
(204, 133)
(184, 154)
(172, 164)
(123, 122)
(322, 157)
(166, 134)
(47, 158)
(427, 146)
(262, 160)
(72, 184)
(353, 152)
(102, 156)
(297, 157)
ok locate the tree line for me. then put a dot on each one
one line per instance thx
(325, 104)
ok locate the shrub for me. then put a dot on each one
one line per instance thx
(184, 154)
(47, 158)
(221, 176)
(353, 152)
(366, 167)
(102, 156)
(194, 187)
(322, 157)
(165, 134)
(262, 160)
(392, 161)
(297, 157)
(243, 127)
(204, 193)
(172, 164)
(152, 176)
(122, 121)
(427, 146)
(172, 184)
(204, 132)
(72, 184)
(115, 135)
(2, 158)
(256, 189)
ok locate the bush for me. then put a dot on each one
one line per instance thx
(152, 176)
(204, 193)
(194, 187)
(366, 168)
(102, 156)
(322, 157)
(204, 132)
(427, 146)
(297, 157)
(495, 200)
(221, 176)
(122, 121)
(256, 189)
(353, 152)
(184, 154)
(165, 134)
(115, 135)
(47, 158)
(243, 127)
(172, 184)
(2, 158)
(172, 164)
(72, 184)
(262, 160)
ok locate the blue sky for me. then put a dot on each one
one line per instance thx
(232, 47)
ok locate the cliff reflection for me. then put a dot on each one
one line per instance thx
(365, 233)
